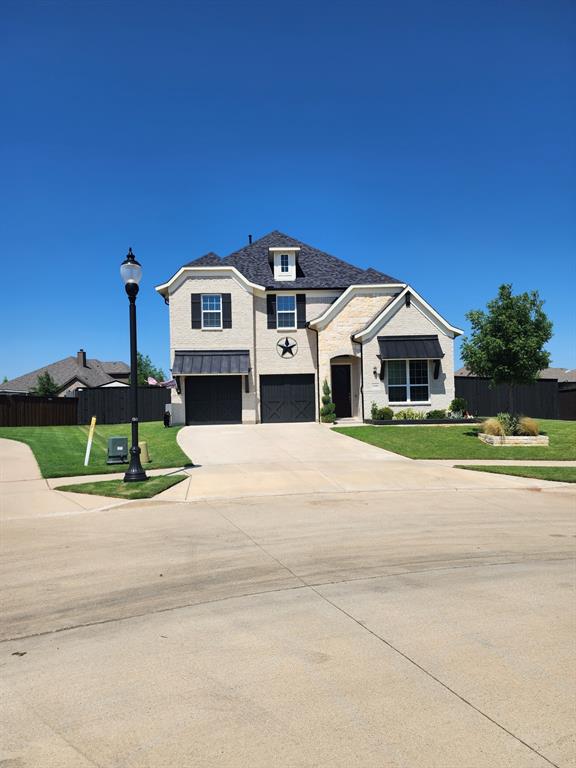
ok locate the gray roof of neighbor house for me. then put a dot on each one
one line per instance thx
(93, 374)
(314, 269)
(562, 374)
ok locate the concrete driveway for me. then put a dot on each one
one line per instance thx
(277, 459)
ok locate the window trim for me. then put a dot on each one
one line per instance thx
(408, 384)
(211, 311)
(293, 312)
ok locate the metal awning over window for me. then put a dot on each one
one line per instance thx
(211, 362)
(410, 348)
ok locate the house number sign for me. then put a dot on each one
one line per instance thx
(287, 347)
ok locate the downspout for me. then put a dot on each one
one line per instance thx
(352, 339)
(255, 367)
(317, 367)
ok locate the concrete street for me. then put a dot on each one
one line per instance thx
(428, 622)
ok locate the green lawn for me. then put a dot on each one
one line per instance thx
(122, 490)
(60, 450)
(461, 442)
(560, 474)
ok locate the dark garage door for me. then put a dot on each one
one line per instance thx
(213, 399)
(287, 398)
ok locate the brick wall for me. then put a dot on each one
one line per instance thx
(409, 321)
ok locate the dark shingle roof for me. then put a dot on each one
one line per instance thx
(315, 268)
(93, 374)
(210, 259)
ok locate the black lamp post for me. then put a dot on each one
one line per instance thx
(131, 273)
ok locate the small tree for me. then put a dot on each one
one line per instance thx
(507, 341)
(45, 385)
(328, 410)
(146, 368)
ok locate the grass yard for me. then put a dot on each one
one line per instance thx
(60, 451)
(461, 442)
(560, 474)
(121, 490)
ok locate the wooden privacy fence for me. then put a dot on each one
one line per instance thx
(539, 399)
(35, 411)
(111, 405)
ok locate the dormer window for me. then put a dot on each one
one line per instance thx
(284, 263)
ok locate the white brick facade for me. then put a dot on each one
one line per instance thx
(361, 310)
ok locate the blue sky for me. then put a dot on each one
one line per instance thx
(432, 140)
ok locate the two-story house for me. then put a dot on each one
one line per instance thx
(254, 334)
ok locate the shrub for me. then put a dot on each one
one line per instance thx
(409, 413)
(328, 409)
(385, 414)
(438, 414)
(492, 427)
(529, 426)
(374, 411)
(458, 405)
(510, 423)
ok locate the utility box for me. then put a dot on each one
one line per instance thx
(117, 450)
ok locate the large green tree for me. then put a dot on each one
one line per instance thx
(45, 385)
(147, 368)
(507, 341)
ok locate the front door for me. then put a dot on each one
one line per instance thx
(341, 390)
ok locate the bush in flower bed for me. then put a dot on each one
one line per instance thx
(381, 414)
(437, 414)
(507, 424)
(409, 414)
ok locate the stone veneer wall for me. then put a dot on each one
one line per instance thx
(334, 339)
(408, 321)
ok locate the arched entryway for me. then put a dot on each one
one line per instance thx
(345, 385)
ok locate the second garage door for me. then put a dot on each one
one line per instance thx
(287, 398)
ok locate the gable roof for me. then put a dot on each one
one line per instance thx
(315, 268)
(65, 371)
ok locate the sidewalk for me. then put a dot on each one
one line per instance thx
(24, 492)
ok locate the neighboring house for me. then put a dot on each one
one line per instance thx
(71, 373)
(561, 375)
(254, 334)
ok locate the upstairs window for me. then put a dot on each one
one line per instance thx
(286, 312)
(283, 262)
(211, 310)
(408, 381)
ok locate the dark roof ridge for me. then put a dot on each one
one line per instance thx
(208, 259)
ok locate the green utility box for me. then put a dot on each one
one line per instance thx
(117, 450)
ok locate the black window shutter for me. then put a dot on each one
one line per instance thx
(226, 310)
(301, 310)
(196, 310)
(271, 309)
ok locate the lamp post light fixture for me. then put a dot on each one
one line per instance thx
(131, 273)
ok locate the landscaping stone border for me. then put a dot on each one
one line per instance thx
(514, 439)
